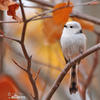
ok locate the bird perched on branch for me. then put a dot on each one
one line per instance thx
(73, 42)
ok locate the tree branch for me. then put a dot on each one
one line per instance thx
(19, 65)
(43, 3)
(22, 10)
(74, 14)
(27, 57)
(85, 17)
(90, 76)
(3, 36)
(67, 67)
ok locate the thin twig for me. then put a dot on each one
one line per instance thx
(36, 7)
(90, 76)
(66, 69)
(47, 65)
(28, 58)
(2, 21)
(93, 2)
(37, 74)
(3, 36)
(74, 14)
(85, 17)
(22, 10)
(19, 65)
(43, 3)
(41, 18)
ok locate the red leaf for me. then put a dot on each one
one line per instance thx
(12, 10)
(7, 88)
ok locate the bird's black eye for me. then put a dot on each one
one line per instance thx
(81, 31)
(65, 26)
(71, 26)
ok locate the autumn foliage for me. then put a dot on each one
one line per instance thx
(42, 42)
(11, 8)
(8, 88)
(61, 12)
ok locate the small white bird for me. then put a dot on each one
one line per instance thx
(73, 42)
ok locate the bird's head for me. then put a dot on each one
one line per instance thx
(72, 28)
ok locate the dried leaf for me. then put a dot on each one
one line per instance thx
(51, 30)
(11, 8)
(62, 12)
(7, 88)
(12, 11)
(85, 24)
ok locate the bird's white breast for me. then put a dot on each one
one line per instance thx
(72, 43)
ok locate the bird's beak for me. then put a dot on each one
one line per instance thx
(65, 26)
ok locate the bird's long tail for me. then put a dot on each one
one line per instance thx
(73, 80)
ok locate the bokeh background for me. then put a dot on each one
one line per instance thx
(46, 55)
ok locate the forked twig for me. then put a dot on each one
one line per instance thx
(19, 65)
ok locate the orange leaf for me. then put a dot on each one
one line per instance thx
(62, 12)
(7, 88)
(85, 24)
(51, 30)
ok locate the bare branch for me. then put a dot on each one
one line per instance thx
(47, 65)
(22, 10)
(19, 65)
(3, 36)
(37, 74)
(76, 14)
(33, 85)
(36, 7)
(85, 17)
(42, 3)
(27, 57)
(90, 76)
(8, 21)
(66, 69)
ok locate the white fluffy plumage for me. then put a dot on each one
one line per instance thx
(73, 41)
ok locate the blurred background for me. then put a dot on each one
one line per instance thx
(42, 42)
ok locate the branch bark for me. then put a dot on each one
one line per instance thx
(1, 45)
(66, 69)
(90, 76)
(85, 17)
(43, 3)
(27, 57)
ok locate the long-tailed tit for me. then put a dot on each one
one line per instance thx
(73, 42)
